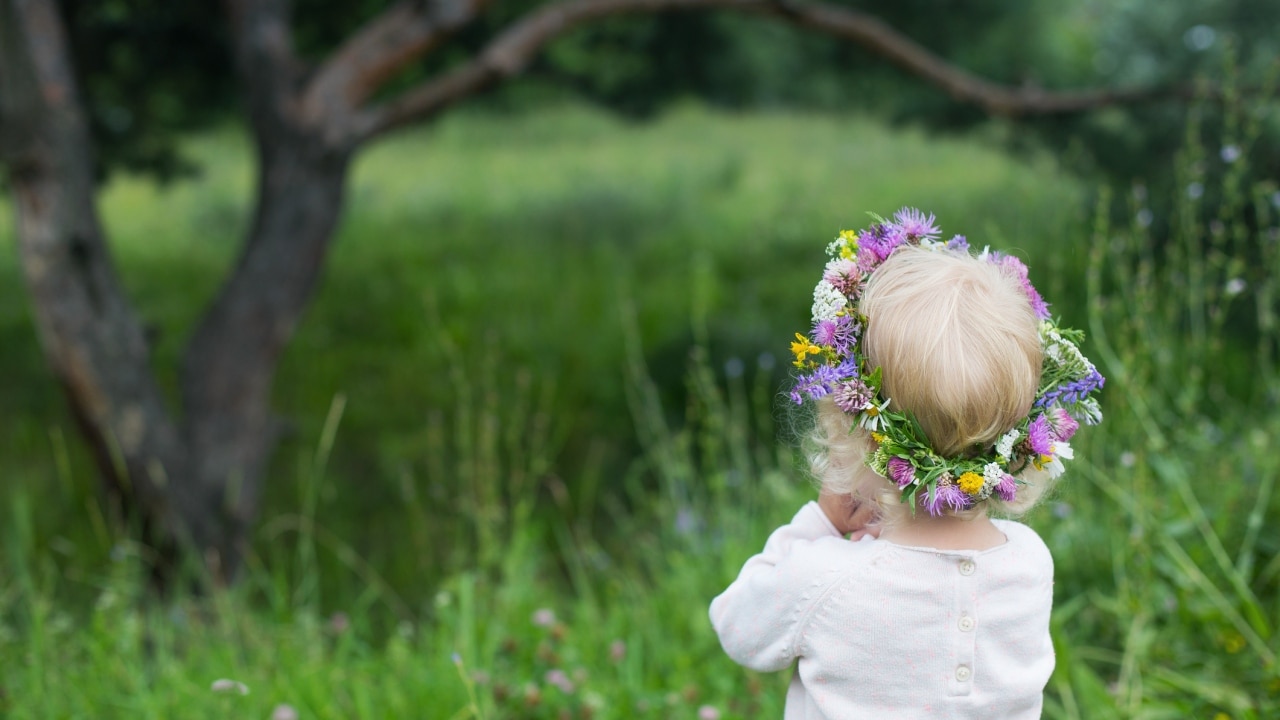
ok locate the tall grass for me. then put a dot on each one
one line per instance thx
(581, 590)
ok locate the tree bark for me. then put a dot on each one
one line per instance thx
(92, 340)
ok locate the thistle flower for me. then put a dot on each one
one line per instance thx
(901, 472)
(945, 496)
(1040, 437)
(959, 242)
(914, 225)
(839, 334)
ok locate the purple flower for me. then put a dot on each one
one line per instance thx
(1074, 391)
(1040, 436)
(840, 333)
(1007, 488)
(946, 496)
(816, 384)
(901, 472)
(1018, 270)
(914, 225)
(879, 240)
(852, 396)
(1064, 426)
(959, 242)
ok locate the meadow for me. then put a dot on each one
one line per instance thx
(537, 424)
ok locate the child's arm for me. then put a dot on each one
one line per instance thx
(758, 617)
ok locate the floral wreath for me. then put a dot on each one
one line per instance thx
(832, 362)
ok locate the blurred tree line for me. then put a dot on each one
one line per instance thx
(154, 69)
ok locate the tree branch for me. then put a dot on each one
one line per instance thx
(509, 53)
(385, 45)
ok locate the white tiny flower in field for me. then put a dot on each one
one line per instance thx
(1195, 190)
(443, 598)
(1234, 287)
(1127, 459)
(1230, 153)
(708, 712)
(1145, 216)
(229, 687)
(544, 617)
(284, 712)
(1199, 38)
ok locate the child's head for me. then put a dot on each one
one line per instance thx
(959, 346)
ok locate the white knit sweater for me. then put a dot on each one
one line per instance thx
(887, 631)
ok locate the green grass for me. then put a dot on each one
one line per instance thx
(515, 394)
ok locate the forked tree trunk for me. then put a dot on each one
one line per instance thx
(195, 478)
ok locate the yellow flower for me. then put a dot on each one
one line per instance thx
(878, 437)
(971, 483)
(803, 347)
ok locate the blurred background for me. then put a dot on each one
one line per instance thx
(429, 360)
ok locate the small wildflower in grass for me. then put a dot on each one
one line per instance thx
(284, 712)
(1230, 153)
(544, 617)
(708, 712)
(617, 651)
(339, 623)
(1145, 217)
(970, 482)
(1195, 190)
(229, 687)
(559, 679)
(1234, 287)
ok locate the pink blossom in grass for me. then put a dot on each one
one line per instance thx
(284, 712)
(901, 472)
(560, 679)
(708, 712)
(617, 651)
(544, 617)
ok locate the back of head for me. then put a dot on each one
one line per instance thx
(958, 344)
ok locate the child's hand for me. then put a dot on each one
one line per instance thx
(849, 515)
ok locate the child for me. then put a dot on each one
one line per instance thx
(943, 390)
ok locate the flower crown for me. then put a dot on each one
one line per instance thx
(832, 363)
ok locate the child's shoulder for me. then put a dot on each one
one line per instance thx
(1026, 541)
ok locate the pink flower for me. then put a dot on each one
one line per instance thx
(901, 472)
(708, 712)
(1040, 436)
(1007, 488)
(544, 617)
(617, 650)
(558, 678)
(1064, 426)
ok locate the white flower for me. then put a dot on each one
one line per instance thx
(1087, 412)
(1004, 446)
(1063, 450)
(827, 301)
(229, 687)
(872, 418)
(835, 246)
(1054, 467)
(993, 473)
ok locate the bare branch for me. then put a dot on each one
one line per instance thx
(385, 45)
(511, 52)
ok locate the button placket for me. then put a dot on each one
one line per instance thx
(965, 623)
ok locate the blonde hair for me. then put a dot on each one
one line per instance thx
(959, 346)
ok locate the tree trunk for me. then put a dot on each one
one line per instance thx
(231, 360)
(196, 480)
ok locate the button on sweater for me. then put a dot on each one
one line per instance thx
(880, 630)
